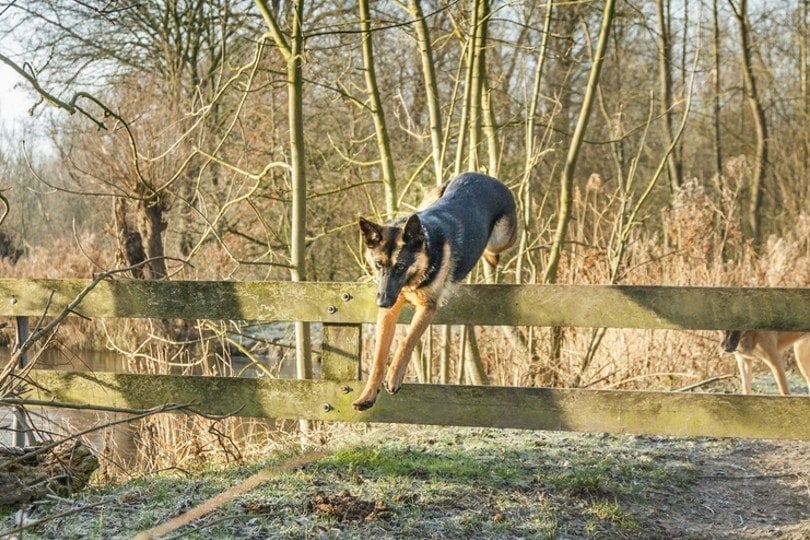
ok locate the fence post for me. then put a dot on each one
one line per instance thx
(342, 348)
(19, 425)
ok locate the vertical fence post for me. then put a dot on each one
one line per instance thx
(19, 425)
(342, 347)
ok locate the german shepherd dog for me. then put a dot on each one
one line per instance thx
(751, 345)
(418, 258)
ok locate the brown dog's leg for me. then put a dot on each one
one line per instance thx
(744, 366)
(771, 355)
(802, 351)
(386, 325)
(421, 320)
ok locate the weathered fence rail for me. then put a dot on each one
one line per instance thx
(343, 307)
(610, 306)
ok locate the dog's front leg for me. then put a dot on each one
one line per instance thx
(386, 325)
(744, 367)
(421, 321)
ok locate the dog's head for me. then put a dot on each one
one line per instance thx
(731, 338)
(396, 252)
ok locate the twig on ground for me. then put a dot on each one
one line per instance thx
(705, 382)
(215, 502)
(33, 524)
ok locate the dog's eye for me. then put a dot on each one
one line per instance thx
(378, 264)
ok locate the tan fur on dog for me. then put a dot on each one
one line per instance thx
(751, 345)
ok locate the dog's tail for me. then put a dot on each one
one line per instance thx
(501, 237)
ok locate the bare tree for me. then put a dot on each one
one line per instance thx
(754, 215)
(567, 175)
(718, 153)
(665, 87)
(377, 111)
(431, 88)
(169, 53)
(293, 52)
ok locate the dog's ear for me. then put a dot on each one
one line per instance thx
(372, 232)
(412, 233)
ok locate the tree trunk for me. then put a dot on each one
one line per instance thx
(151, 226)
(665, 89)
(431, 88)
(477, 70)
(383, 143)
(474, 368)
(530, 162)
(130, 245)
(567, 176)
(754, 214)
(303, 352)
(718, 155)
(293, 53)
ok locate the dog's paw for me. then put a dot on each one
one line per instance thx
(393, 380)
(392, 387)
(363, 404)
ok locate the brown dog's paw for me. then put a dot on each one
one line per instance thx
(393, 380)
(363, 404)
(392, 388)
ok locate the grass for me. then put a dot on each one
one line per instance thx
(406, 482)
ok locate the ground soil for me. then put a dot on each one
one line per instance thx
(737, 489)
(745, 489)
(686, 488)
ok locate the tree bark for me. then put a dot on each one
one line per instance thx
(293, 53)
(754, 217)
(130, 250)
(718, 155)
(377, 112)
(431, 88)
(567, 175)
(151, 226)
(665, 89)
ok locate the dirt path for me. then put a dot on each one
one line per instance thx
(746, 489)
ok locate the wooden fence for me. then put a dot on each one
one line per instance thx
(343, 307)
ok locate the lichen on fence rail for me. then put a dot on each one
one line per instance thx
(613, 306)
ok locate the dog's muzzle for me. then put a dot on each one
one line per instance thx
(385, 301)
(731, 338)
(388, 289)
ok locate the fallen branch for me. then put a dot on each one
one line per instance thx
(33, 524)
(30, 453)
(215, 502)
(31, 475)
(704, 382)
